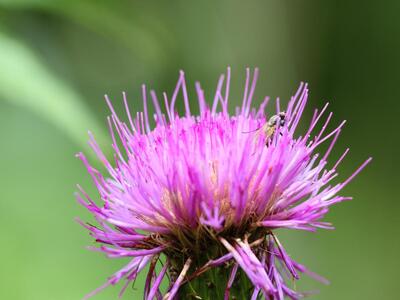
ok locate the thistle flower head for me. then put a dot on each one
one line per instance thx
(207, 191)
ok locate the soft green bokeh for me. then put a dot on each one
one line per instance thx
(58, 59)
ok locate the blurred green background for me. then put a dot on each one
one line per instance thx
(58, 59)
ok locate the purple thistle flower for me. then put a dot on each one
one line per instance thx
(202, 193)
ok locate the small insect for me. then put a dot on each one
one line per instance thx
(270, 126)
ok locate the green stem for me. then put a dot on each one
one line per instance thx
(212, 285)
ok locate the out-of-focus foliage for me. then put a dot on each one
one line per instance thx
(58, 59)
(25, 82)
